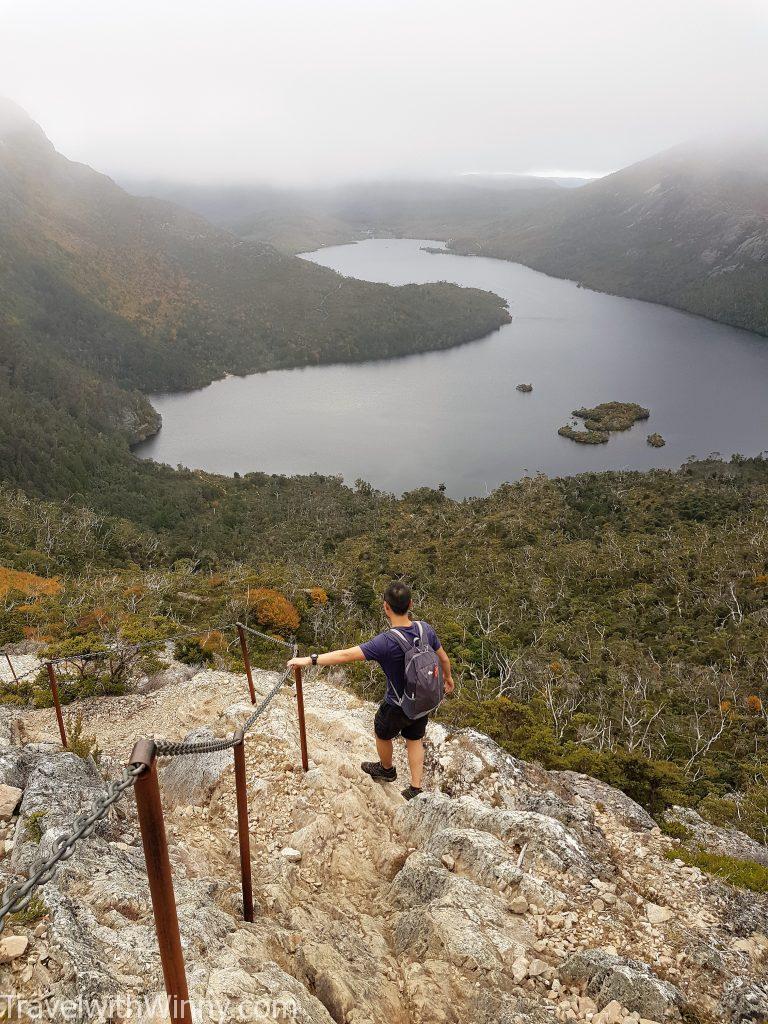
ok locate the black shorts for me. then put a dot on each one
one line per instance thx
(391, 721)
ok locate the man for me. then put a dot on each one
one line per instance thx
(391, 720)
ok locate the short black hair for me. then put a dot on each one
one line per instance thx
(398, 597)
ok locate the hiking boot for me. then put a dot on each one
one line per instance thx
(411, 792)
(377, 771)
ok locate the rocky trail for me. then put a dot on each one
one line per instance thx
(503, 894)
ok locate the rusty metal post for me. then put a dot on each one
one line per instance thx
(55, 691)
(150, 810)
(246, 662)
(13, 670)
(302, 723)
(241, 792)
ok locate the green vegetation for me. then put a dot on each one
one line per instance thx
(609, 623)
(656, 441)
(525, 388)
(675, 829)
(79, 743)
(33, 826)
(34, 911)
(746, 874)
(610, 416)
(600, 421)
(583, 436)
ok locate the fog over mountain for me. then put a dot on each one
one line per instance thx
(301, 91)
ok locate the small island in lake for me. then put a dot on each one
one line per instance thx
(525, 388)
(583, 436)
(656, 441)
(602, 419)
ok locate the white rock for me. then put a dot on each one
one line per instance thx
(448, 861)
(12, 946)
(9, 801)
(288, 852)
(519, 905)
(613, 1013)
(536, 968)
(657, 914)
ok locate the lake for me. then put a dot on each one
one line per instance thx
(455, 417)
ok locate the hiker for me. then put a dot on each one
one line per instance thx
(418, 673)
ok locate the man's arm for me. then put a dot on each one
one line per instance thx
(331, 658)
(445, 664)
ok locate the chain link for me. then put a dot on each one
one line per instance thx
(169, 748)
(18, 895)
(265, 636)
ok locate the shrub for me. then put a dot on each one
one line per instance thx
(674, 829)
(744, 874)
(192, 652)
(80, 744)
(33, 826)
(272, 610)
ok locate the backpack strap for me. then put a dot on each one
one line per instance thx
(401, 640)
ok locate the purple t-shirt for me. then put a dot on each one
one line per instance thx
(385, 649)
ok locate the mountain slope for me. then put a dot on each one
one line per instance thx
(298, 220)
(503, 894)
(687, 228)
(104, 296)
(179, 300)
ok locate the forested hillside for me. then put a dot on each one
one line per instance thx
(611, 623)
(687, 228)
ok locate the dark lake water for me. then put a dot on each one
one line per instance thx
(462, 421)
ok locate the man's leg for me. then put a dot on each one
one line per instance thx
(415, 761)
(384, 750)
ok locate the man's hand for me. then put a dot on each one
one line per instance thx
(299, 663)
(448, 685)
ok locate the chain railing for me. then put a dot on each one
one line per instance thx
(141, 775)
(18, 895)
(126, 650)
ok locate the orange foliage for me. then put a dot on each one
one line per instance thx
(556, 667)
(93, 620)
(317, 595)
(216, 579)
(27, 583)
(214, 640)
(754, 703)
(761, 578)
(725, 705)
(271, 610)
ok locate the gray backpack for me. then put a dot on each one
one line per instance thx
(423, 675)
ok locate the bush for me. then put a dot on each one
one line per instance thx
(192, 652)
(744, 874)
(271, 610)
(80, 744)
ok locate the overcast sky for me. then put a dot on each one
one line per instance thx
(319, 90)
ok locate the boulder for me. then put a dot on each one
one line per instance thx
(628, 982)
(545, 839)
(729, 842)
(599, 794)
(190, 779)
(12, 947)
(9, 801)
(744, 1002)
